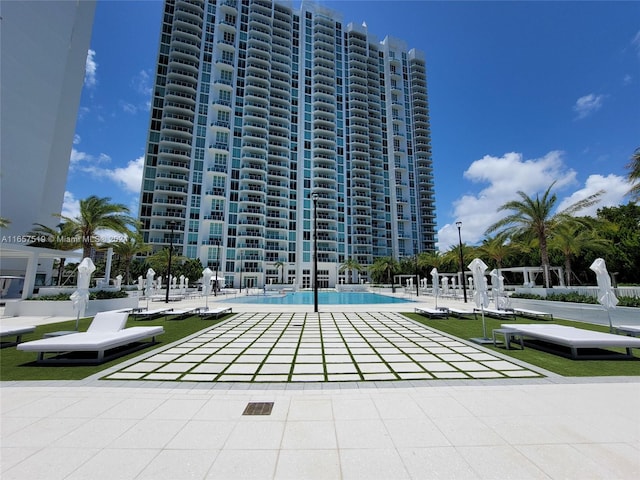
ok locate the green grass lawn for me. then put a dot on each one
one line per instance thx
(18, 365)
(466, 329)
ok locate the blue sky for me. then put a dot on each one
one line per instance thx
(521, 94)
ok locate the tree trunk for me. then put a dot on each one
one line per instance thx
(61, 270)
(544, 256)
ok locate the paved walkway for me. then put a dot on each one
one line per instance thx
(325, 347)
(188, 422)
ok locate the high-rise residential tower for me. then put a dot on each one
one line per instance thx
(276, 133)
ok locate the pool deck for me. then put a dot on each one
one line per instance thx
(546, 426)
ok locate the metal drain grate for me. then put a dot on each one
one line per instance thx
(258, 408)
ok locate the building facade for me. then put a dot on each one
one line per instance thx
(44, 50)
(277, 133)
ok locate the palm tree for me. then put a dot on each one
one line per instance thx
(279, 264)
(497, 249)
(571, 240)
(634, 174)
(99, 214)
(62, 237)
(383, 268)
(534, 217)
(127, 249)
(351, 265)
(429, 260)
(4, 222)
(159, 261)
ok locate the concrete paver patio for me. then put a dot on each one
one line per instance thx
(300, 347)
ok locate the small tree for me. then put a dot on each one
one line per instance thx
(98, 214)
(351, 265)
(279, 265)
(61, 237)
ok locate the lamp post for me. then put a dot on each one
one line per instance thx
(415, 248)
(314, 196)
(215, 288)
(172, 225)
(462, 280)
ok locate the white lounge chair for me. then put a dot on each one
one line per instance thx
(14, 331)
(524, 312)
(460, 313)
(214, 312)
(151, 314)
(492, 312)
(433, 312)
(632, 330)
(182, 314)
(575, 338)
(105, 336)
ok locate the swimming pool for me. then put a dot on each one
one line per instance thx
(326, 298)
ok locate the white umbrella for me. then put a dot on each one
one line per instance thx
(80, 297)
(149, 291)
(183, 288)
(480, 296)
(606, 295)
(436, 286)
(207, 273)
(140, 283)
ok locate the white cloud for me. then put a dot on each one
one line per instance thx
(70, 206)
(142, 83)
(76, 139)
(90, 69)
(129, 177)
(588, 104)
(505, 176)
(129, 107)
(635, 41)
(627, 80)
(77, 158)
(615, 188)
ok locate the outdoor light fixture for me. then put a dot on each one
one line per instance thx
(215, 288)
(172, 226)
(314, 196)
(463, 280)
(415, 248)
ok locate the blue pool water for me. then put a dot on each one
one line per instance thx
(326, 298)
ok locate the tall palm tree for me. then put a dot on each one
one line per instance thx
(99, 214)
(62, 237)
(571, 240)
(127, 249)
(634, 174)
(383, 268)
(280, 265)
(534, 217)
(351, 265)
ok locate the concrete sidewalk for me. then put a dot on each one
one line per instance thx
(449, 429)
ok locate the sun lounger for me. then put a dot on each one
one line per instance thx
(575, 339)
(432, 312)
(182, 314)
(173, 297)
(632, 330)
(492, 312)
(457, 312)
(106, 337)
(523, 312)
(151, 314)
(15, 331)
(215, 312)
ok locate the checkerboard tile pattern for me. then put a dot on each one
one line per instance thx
(324, 347)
